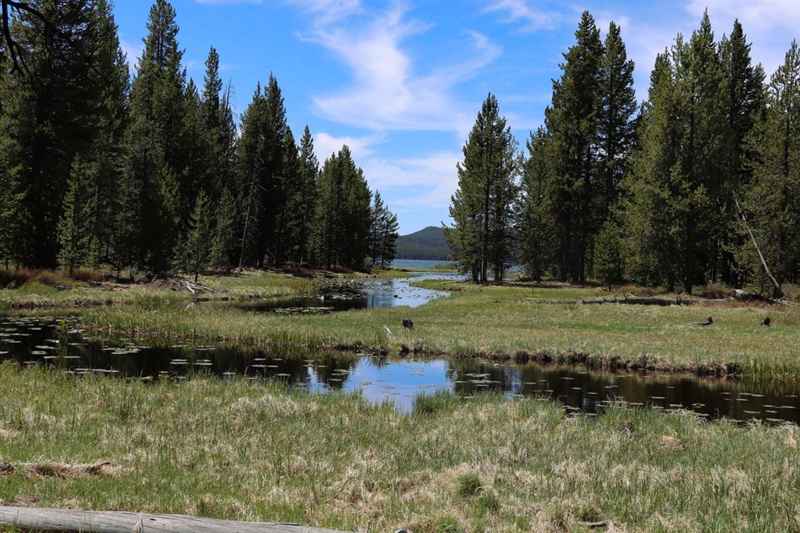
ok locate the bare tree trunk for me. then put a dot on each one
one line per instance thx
(777, 290)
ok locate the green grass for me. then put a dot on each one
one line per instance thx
(244, 451)
(61, 292)
(498, 321)
(491, 321)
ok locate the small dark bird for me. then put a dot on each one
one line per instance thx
(708, 322)
(767, 322)
(408, 324)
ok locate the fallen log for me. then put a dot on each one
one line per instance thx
(120, 522)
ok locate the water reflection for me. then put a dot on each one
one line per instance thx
(371, 294)
(60, 344)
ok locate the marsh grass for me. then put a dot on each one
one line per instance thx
(498, 320)
(245, 451)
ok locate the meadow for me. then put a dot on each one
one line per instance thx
(479, 464)
(514, 321)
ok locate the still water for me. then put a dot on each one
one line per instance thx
(370, 294)
(61, 345)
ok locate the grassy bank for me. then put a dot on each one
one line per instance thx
(502, 322)
(246, 451)
(515, 321)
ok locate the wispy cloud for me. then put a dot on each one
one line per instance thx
(427, 180)
(524, 14)
(386, 92)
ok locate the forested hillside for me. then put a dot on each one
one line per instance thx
(698, 184)
(151, 171)
(427, 243)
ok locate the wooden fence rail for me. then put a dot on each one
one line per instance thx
(112, 522)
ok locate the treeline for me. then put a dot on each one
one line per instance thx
(151, 173)
(692, 187)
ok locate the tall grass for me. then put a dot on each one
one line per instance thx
(245, 451)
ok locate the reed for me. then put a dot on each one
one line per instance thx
(245, 451)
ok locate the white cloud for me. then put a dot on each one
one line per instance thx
(326, 144)
(427, 180)
(327, 12)
(386, 92)
(522, 12)
(758, 15)
(769, 24)
(133, 51)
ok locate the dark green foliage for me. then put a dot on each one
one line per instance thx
(771, 202)
(427, 243)
(535, 224)
(343, 214)
(383, 233)
(609, 262)
(74, 231)
(572, 123)
(98, 170)
(224, 247)
(197, 248)
(481, 207)
(53, 110)
(616, 133)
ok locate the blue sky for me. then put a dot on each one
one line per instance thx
(401, 81)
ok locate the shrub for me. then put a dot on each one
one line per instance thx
(469, 485)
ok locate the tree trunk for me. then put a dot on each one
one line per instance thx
(111, 522)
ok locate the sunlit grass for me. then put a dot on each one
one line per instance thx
(499, 321)
(245, 451)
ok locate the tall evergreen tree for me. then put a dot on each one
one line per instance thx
(342, 217)
(53, 111)
(480, 208)
(572, 122)
(616, 123)
(197, 248)
(74, 230)
(535, 227)
(156, 165)
(772, 200)
(744, 99)
(304, 198)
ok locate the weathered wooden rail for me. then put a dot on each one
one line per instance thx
(113, 522)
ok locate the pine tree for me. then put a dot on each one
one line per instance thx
(74, 233)
(198, 243)
(535, 226)
(250, 167)
(609, 262)
(481, 237)
(391, 232)
(305, 197)
(342, 216)
(744, 99)
(224, 247)
(377, 227)
(156, 153)
(572, 122)
(772, 201)
(652, 225)
(52, 111)
(616, 124)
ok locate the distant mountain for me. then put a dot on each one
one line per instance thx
(428, 243)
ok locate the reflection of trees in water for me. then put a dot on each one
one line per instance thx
(471, 376)
(334, 371)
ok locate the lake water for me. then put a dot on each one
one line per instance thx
(59, 344)
(370, 294)
(423, 264)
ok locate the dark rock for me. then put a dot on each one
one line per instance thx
(408, 324)
(404, 350)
